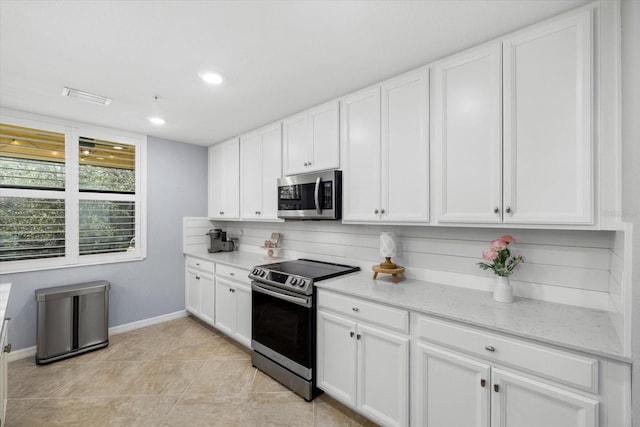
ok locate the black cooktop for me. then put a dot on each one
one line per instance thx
(316, 270)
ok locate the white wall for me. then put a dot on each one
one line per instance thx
(571, 267)
(630, 12)
(177, 185)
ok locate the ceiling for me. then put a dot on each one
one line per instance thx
(277, 57)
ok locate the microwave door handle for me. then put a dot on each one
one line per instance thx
(317, 196)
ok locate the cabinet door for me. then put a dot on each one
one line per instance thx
(325, 131)
(405, 148)
(271, 171)
(383, 375)
(547, 123)
(225, 306)
(224, 180)
(468, 136)
(251, 169)
(296, 137)
(452, 390)
(360, 127)
(518, 401)
(207, 298)
(192, 292)
(336, 357)
(232, 180)
(243, 316)
(216, 181)
(3, 371)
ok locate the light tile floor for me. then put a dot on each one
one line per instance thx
(177, 373)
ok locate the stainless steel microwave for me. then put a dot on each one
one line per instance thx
(310, 196)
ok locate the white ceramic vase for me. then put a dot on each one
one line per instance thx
(502, 290)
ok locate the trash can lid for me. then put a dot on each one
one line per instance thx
(66, 291)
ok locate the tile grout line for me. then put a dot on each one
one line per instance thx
(188, 386)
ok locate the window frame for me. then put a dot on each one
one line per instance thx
(72, 194)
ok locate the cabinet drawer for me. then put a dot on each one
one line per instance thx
(233, 273)
(371, 312)
(567, 368)
(199, 264)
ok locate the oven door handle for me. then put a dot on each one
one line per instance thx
(305, 302)
(317, 196)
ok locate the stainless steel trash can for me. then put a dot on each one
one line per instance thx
(72, 320)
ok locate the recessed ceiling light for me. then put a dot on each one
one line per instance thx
(211, 78)
(86, 96)
(157, 120)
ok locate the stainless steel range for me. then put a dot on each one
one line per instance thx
(283, 323)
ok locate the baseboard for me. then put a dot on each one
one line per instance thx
(147, 322)
(23, 353)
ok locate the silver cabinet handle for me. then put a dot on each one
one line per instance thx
(382, 211)
(358, 336)
(490, 348)
(231, 290)
(496, 209)
(221, 212)
(197, 277)
(508, 209)
(351, 334)
(232, 274)
(376, 211)
(355, 309)
(7, 348)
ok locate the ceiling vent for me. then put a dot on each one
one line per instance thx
(86, 96)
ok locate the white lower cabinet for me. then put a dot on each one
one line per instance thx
(455, 390)
(199, 289)
(4, 349)
(233, 303)
(452, 390)
(518, 400)
(468, 377)
(360, 362)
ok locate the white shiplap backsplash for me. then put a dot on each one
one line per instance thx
(570, 267)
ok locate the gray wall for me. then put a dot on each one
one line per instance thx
(177, 187)
(630, 11)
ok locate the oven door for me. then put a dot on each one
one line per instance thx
(283, 328)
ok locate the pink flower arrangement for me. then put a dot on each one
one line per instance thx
(498, 257)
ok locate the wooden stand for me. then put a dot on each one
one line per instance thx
(393, 271)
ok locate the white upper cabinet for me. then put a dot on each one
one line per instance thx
(224, 180)
(405, 148)
(547, 123)
(260, 168)
(468, 136)
(312, 140)
(537, 169)
(361, 173)
(385, 151)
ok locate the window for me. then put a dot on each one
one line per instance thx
(69, 195)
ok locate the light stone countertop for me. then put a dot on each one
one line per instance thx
(245, 260)
(5, 288)
(571, 327)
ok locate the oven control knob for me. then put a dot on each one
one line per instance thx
(294, 281)
(302, 283)
(255, 271)
(262, 273)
